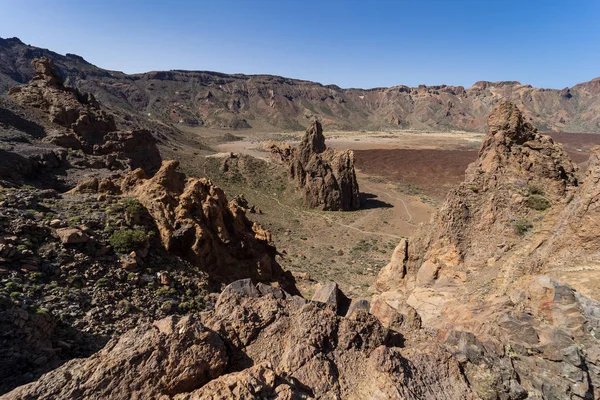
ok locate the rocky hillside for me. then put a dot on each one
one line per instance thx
(91, 242)
(507, 270)
(164, 100)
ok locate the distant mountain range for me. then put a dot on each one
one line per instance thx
(216, 100)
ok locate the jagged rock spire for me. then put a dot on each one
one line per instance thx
(45, 70)
(313, 141)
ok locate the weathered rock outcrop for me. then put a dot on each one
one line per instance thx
(85, 125)
(474, 272)
(64, 106)
(157, 360)
(326, 176)
(196, 222)
(259, 342)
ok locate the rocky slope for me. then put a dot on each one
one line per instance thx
(477, 268)
(211, 99)
(90, 245)
(259, 342)
(326, 176)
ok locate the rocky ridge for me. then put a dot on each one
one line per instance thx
(475, 272)
(259, 342)
(326, 176)
(216, 100)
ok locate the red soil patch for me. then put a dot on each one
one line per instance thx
(577, 145)
(435, 171)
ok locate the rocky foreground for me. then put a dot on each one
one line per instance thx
(134, 285)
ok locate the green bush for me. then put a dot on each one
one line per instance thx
(537, 202)
(102, 282)
(128, 240)
(166, 291)
(36, 276)
(522, 226)
(13, 287)
(535, 190)
(126, 306)
(474, 189)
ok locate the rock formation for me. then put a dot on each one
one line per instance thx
(64, 106)
(259, 342)
(196, 222)
(88, 126)
(474, 272)
(326, 176)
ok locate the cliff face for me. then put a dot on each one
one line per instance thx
(269, 102)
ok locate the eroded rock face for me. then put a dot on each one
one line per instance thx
(474, 273)
(326, 176)
(65, 106)
(157, 360)
(259, 342)
(88, 126)
(489, 226)
(196, 222)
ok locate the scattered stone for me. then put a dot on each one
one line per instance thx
(72, 235)
(56, 223)
(329, 293)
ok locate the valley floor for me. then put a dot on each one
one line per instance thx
(403, 177)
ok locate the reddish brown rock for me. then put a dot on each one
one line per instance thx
(474, 272)
(259, 342)
(195, 221)
(88, 126)
(326, 176)
(72, 235)
(152, 361)
(64, 106)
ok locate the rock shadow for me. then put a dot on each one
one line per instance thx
(369, 201)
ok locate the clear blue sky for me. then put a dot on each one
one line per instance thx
(546, 43)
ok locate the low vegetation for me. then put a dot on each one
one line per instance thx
(537, 202)
(128, 240)
(522, 226)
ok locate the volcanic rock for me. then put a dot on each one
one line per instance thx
(157, 360)
(65, 106)
(71, 236)
(196, 222)
(475, 272)
(331, 294)
(88, 126)
(326, 176)
(256, 346)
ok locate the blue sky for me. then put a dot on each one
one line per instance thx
(546, 43)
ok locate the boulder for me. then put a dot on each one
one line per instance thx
(329, 293)
(72, 235)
